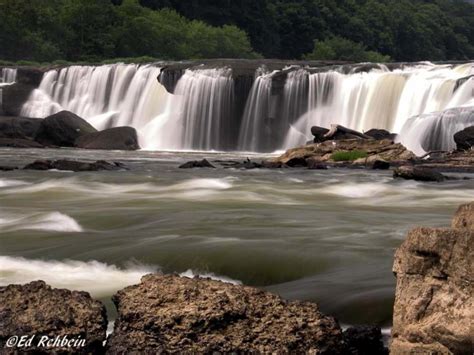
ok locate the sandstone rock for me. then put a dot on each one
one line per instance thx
(434, 302)
(73, 165)
(62, 129)
(418, 174)
(465, 139)
(464, 217)
(37, 309)
(197, 164)
(117, 138)
(171, 314)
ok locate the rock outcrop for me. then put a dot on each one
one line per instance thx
(19, 127)
(418, 174)
(172, 314)
(117, 138)
(434, 305)
(465, 139)
(384, 150)
(37, 310)
(62, 129)
(74, 165)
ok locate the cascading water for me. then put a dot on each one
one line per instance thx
(280, 108)
(8, 76)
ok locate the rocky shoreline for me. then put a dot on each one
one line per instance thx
(172, 314)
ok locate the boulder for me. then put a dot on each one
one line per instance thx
(380, 134)
(197, 164)
(62, 129)
(172, 314)
(318, 133)
(14, 96)
(37, 310)
(19, 127)
(418, 173)
(364, 340)
(434, 300)
(465, 139)
(19, 143)
(74, 165)
(380, 165)
(117, 138)
(464, 217)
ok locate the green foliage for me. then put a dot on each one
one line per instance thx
(349, 155)
(338, 48)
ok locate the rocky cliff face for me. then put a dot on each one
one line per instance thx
(434, 305)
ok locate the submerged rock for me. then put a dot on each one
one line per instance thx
(465, 139)
(73, 165)
(36, 309)
(117, 138)
(365, 340)
(62, 129)
(197, 164)
(172, 314)
(418, 174)
(434, 303)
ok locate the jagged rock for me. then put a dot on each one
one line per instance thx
(434, 303)
(197, 164)
(172, 314)
(117, 138)
(376, 150)
(365, 340)
(62, 129)
(19, 143)
(74, 165)
(418, 174)
(464, 217)
(19, 127)
(380, 165)
(465, 139)
(36, 309)
(380, 134)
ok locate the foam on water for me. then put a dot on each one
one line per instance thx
(98, 278)
(53, 221)
(10, 183)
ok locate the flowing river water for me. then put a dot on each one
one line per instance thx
(325, 236)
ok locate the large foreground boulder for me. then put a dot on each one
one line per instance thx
(465, 138)
(172, 314)
(62, 129)
(434, 303)
(37, 311)
(117, 138)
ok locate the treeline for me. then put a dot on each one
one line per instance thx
(358, 30)
(405, 30)
(93, 30)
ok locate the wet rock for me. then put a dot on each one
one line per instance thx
(246, 164)
(117, 138)
(365, 340)
(464, 217)
(74, 165)
(418, 174)
(380, 165)
(14, 96)
(316, 164)
(8, 168)
(197, 164)
(39, 310)
(433, 302)
(171, 314)
(19, 127)
(465, 139)
(318, 133)
(297, 162)
(380, 134)
(19, 143)
(62, 129)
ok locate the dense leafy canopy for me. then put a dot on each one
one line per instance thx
(359, 30)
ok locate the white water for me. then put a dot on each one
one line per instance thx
(8, 76)
(200, 115)
(53, 222)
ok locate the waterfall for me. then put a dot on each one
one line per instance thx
(8, 76)
(277, 112)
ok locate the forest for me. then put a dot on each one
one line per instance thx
(351, 30)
